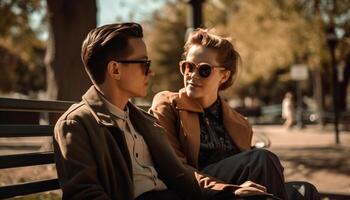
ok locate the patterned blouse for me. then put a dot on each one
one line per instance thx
(215, 143)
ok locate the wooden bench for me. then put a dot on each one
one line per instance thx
(9, 128)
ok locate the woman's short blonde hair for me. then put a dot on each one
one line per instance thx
(227, 56)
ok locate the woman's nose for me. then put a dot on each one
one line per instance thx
(194, 73)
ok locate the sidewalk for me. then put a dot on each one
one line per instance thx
(311, 155)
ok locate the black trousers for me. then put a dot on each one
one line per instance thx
(263, 167)
(258, 165)
(171, 195)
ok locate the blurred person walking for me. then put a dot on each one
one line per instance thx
(288, 110)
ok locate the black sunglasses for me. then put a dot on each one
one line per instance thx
(146, 64)
(204, 69)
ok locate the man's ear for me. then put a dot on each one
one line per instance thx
(226, 75)
(113, 70)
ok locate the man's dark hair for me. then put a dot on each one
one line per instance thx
(106, 43)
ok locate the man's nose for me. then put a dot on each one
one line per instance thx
(150, 72)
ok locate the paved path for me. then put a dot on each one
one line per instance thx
(310, 154)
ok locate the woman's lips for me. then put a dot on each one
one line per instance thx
(193, 84)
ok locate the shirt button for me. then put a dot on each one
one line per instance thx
(137, 155)
(135, 136)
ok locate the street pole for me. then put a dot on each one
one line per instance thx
(332, 42)
(300, 123)
(195, 16)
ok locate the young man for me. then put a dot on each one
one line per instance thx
(106, 147)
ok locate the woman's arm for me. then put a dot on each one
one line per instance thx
(167, 116)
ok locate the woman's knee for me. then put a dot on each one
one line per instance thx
(263, 153)
(265, 157)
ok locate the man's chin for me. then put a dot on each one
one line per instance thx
(140, 95)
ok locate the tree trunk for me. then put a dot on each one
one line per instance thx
(69, 23)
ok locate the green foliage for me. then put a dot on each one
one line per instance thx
(165, 35)
(21, 50)
(16, 32)
(270, 36)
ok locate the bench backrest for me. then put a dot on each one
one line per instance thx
(12, 129)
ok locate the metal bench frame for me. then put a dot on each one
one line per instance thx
(28, 130)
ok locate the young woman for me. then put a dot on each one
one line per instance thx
(207, 135)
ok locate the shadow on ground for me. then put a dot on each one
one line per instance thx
(305, 160)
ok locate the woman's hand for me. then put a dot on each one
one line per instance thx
(250, 188)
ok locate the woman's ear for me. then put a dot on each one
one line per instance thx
(113, 70)
(225, 77)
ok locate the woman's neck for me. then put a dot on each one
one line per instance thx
(206, 102)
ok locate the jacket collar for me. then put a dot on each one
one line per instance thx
(101, 113)
(187, 103)
(99, 110)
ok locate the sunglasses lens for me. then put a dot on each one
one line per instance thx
(204, 70)
(147, 66)
(187, 67)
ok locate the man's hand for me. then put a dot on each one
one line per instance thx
(250, 188)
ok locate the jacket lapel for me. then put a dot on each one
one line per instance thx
(236, 127)
(189, 121)
(101, 114)
(92, 99)
(170, 169)
(120, 139)
(141, 121)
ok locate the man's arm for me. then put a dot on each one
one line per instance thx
(75, 164)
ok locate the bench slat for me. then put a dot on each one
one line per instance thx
(27, 159)
(26, 130)
(8, 104)
(28, 188)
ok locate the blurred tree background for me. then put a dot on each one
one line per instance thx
(270, 35)
(21, 50)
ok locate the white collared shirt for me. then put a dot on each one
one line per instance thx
(144, 174)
